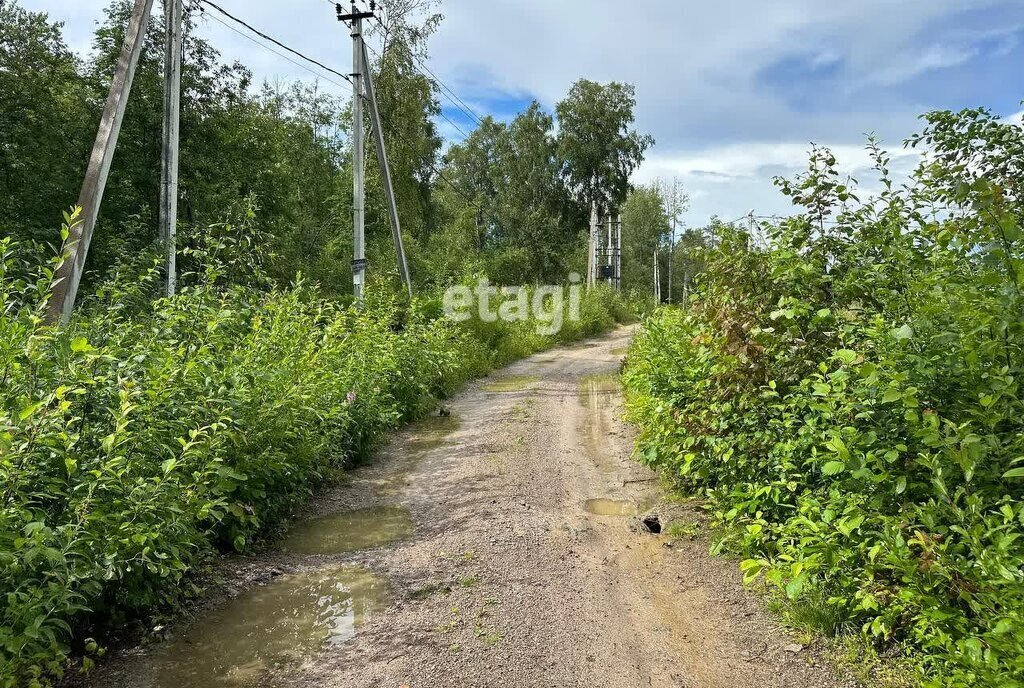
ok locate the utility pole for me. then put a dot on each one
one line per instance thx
(362, 86)
(657, 278)
(358, 154)
(592, 246)
(610, 250)
(671, 253)
(385, 173)
(68, 274)
(172, 129)
(618, 254)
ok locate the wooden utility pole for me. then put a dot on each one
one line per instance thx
(172, 129)
(385, 173)
(68, 274)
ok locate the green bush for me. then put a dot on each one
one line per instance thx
(849, 402)
(143, 438)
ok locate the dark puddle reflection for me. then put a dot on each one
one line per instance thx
(349, 531)
(270, 628)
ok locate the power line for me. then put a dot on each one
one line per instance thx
(433, 78)
(273, 40)
(433, 166)
(443, 116)
(468, 110)
(447, 91)
(279, 54)
(440, 175)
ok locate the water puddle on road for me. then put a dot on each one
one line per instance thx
(512, 383)
(427, 435)
(611, 507)
(349, 531)
(430, 433)
(270, 628)
(597, 395)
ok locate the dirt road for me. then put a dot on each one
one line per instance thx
(487, 564)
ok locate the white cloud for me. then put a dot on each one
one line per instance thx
(1016, 118)
(731, 180)
(908, 66)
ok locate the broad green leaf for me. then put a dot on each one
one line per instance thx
(833, 468)
(903, 333)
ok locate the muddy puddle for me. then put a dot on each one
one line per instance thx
(427, 435)
(267, 629)
(512, 383)
(597, 395)
(432, 432)
(349, 531)
(611, 507)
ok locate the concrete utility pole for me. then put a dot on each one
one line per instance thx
(68, 274)
(592, 246)
(358, 155)
(618, 254)
(385, 173)
(671, 252)
(172, 129)
(657, 278)
(610, 250)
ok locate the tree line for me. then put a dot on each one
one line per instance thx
(511, 201)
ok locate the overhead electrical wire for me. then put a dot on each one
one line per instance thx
(279, 54)
(445, 117)
(433, 166)
(449, 93)
(466, 109)
(446, 90)
(273, 40)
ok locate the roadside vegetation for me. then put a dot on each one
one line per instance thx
(146, 437)
(151, 434)
(847, 401)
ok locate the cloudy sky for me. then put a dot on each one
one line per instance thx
(733, 91)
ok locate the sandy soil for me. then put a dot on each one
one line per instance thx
(509, 581)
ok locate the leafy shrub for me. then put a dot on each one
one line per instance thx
(849, 401)
(144, 437)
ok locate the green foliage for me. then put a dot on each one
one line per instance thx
(849, 402)
(649, 228)
(281, 145)
(527, 186)
(527, 225)
(144, 437)
(43, 119)
(518, 209)
(597, 142)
